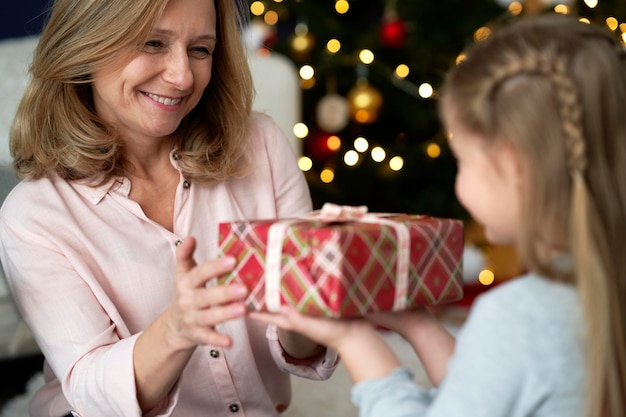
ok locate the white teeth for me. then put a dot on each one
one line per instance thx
(164, 100)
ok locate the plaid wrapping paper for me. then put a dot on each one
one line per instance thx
(347, 267)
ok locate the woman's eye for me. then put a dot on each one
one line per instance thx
(201, 52)
(153, 44)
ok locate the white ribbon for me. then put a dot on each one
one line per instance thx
(333, 213)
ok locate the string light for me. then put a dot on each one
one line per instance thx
(306, 72)
(305, 163)
(300, 130)
(612, 23)
(396, 163)
(402, 71)
(378, 154)
(257, 8)
(366, 56)
(591, 3)
(342, 6)
(486, 277)
(361, 144)
(351, 158)
(425, 90)
(433, 150)
(333, 46)
(561, 9)
(327, 175)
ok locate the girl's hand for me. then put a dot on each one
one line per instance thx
(401, 322)
(196, 307)
(325, 331)
(364, 353)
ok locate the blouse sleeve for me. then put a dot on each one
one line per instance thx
(73, 329)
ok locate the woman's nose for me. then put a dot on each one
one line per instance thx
(178, 70)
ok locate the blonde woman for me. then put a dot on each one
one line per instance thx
(536, 117)
(134, 139)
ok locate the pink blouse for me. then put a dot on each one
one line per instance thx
(89, 271)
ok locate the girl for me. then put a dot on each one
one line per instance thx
(535, 116)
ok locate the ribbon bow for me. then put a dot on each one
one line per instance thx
(333, 213)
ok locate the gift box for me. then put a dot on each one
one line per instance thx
(347, 263)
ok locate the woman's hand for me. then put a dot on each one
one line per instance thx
(197, 307)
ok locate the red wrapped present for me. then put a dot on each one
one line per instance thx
(346, 263)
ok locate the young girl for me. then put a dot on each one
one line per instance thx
(536, 121)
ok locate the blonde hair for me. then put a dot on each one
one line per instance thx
(56, 130)
(555, 89)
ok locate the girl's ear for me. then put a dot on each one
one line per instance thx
(508, 162)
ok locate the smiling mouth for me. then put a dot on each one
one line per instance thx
(164, 100)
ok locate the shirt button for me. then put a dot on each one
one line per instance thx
(214, 353)
(186, 184)
(178, 242)
(233, 408)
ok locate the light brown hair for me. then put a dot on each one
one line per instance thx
(56, 130)
(555, 88)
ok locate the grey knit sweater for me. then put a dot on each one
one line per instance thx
(519, 354)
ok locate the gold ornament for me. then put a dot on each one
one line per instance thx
(364, 102)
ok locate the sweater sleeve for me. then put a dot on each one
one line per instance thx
(484, 376)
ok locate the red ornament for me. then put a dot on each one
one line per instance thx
(317, 147)
(393, 32)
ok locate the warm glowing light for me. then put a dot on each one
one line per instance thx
(271, 18)
(486, 277)
(366, 56)
(396, 163)
(327, 175)
(460, 58)
(333, 46)
(515, 8)
(591, 3)
(333, 143)
(342, 6)
(612, 23)
(361, 144)
(257, 8)
(402, 71)
(561, 9)
(363, 116)
(307, 84)
(378, 154)
(351, 158)
(425, 90)
(306, 72)
(300, 130)
(482, 33)
(584, 20)
(305, 163)
(301, 29)
(433, 150)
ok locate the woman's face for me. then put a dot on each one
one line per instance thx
(148, 96)
(488, 183)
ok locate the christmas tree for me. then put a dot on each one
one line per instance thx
(370, 71)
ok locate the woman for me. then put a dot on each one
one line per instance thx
(135, 138)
